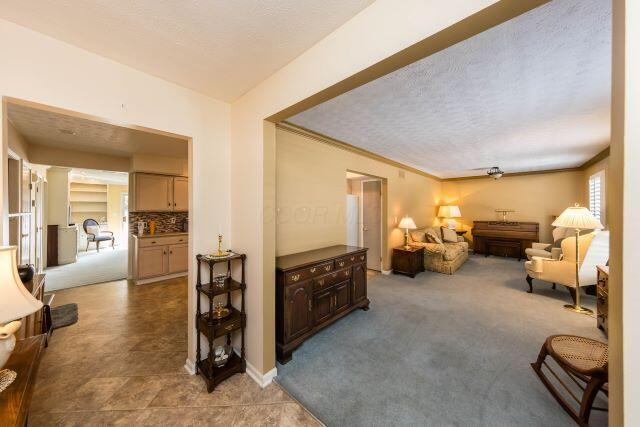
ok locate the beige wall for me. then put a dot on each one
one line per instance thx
(311, 190)
(159, 164)
(81, 81)
(537, 197)
(57, 196)
(624, 217)
(114, 211)
(77, 159)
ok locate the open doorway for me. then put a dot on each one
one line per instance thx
(364, 216)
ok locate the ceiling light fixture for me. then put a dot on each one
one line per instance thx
(495, 172)
(66, 131)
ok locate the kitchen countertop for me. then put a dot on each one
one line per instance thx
(175, 233)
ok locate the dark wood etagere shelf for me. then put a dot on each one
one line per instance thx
(212, 328)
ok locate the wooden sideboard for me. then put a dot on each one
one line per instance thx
(602, 299)
(507, 239)
(314, 289)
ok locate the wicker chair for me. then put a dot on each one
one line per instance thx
(94, 234)
(585, 361)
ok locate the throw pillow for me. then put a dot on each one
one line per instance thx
(449, 235)
(432, 237)
(418, 236)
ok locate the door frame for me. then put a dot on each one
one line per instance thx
(361, 215)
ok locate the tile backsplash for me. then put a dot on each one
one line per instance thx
(163, 221)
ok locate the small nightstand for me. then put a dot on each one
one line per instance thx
(408, 261)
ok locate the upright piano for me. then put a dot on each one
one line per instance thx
(504, 238)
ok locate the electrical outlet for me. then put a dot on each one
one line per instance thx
(172, 220)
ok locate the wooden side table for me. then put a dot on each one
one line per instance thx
(408, 261)
(15, 400)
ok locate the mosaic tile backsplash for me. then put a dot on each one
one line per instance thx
(163, 221)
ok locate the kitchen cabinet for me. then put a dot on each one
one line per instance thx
(160, 257)
(159, 193)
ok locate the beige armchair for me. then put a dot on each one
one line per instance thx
(541, 249)
(594, 250)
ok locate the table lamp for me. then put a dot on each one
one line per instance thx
(578, 218)
(408, 224)
(450, 212)
(16, 302)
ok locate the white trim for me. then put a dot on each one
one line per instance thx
(387, 272)
(160, 278)
(190, 367)
(262, 380)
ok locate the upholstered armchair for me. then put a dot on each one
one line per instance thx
(594, 250)
(94, 234)
(544, 250)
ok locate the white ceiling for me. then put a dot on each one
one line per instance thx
(52, 129)
(221, 48)
(530, 94)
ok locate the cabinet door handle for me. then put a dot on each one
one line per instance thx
(170, 252)
(169, 204)
(310, 305)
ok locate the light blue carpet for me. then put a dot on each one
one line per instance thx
(440, 350)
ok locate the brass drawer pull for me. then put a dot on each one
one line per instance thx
(295, 277)
(346, 273)
(313, 270)
(362, 257)
(321, 282)
(341, 263)
(352, 258)
(230, 327)
(334, 275)
(327, 268)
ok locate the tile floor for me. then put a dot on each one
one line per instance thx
(122, 364)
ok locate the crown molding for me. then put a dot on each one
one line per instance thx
(316, 136)
(299, 130)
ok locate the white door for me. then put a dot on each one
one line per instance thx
(352, 220)
(124, 216)
(38, 214)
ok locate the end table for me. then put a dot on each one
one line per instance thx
(408, 261)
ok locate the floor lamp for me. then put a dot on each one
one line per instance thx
(578, 218)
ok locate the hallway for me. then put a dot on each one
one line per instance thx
(123, 363)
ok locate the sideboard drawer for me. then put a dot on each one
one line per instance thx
(307, 273)
(327, 280)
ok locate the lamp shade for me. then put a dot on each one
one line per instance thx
(449, 212)
(407, 223)
(578, 217)
(16, 301)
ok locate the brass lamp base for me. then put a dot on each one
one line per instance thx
(578, 309)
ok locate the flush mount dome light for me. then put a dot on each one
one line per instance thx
(495, 172)
(66, 131)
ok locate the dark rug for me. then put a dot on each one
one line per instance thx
(64, 315)
(440, 350)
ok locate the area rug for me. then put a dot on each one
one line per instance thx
(64, 315)
(440, 350)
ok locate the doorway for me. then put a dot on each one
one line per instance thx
(364, 216)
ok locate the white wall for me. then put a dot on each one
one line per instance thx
(41, 69)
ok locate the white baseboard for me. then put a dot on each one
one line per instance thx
(263, 380)
(190, 367)
(160, 278)
(387, 272)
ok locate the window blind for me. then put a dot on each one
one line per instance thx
(595, 196)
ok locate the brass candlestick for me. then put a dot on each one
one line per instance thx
(220, 253)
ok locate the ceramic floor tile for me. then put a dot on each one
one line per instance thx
(123, 364)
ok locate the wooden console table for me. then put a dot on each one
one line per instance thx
(314, 289)
(15, 400)
(507, 239)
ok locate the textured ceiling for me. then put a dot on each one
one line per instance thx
(219, 47)
(530, 94)
(40, 127)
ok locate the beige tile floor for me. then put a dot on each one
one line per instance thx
(122, 364)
